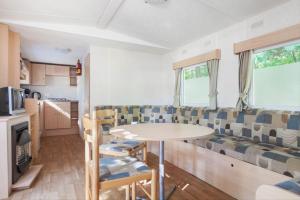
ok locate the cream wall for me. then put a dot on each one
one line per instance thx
(120, 77)
(285, 15)
(125, 77)
(56, 87)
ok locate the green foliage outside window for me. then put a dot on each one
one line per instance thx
(278, 56)
(195, 72)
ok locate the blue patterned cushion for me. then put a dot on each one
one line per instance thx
(156, 114)
(121, 167)
(291, 185)
(120, 146)
(266, 138)
(105, 128)
(278, 159)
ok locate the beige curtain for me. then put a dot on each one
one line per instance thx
(245, 78)
(178, 73)
(213, 68)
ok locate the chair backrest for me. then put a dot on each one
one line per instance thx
(92, 171)
(108, 116)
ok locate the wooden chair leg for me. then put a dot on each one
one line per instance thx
(87, 187)
(133, 192)
(127, 192)
(145, 153)
(153, 185)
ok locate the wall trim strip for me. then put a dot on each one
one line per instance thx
(281, 36)
(215, 54)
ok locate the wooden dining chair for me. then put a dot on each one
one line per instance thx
(110, 172)
(117, 146)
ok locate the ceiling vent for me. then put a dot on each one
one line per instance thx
(155, 1)
(257, 24)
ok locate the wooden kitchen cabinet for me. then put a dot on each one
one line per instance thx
(14, 59)
(50, 116)
(57, 115)
(32, 108)
(64, 115)
(9, 57)
(57, 70)
(38, 74)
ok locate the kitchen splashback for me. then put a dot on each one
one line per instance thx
(57, 87)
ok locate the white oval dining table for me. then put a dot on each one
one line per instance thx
(161, 132)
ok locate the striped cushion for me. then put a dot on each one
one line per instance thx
(120, 167)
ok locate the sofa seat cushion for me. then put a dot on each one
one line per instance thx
(121, 167)
(291, 185)
(120, 146)
(282, 160)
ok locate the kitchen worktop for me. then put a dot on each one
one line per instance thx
(6, 118)
(59, 100)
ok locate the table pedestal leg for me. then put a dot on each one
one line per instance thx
(161, 171)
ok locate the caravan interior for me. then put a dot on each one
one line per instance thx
(150, 99)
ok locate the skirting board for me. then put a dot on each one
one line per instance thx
(55, 132)
(28, 178)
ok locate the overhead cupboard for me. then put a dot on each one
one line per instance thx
(38, 73)
(57, 70)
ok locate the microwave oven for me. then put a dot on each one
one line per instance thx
(12, 101)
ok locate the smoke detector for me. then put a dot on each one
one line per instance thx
(155, 1)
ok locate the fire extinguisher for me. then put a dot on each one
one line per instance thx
(78, 68)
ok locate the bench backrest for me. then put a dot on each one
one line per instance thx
(280, 128)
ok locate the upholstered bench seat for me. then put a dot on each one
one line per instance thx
(120, 167)
(283, 160)
(266, 138)
(123, 147)
(291, 185)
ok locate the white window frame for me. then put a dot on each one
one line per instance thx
(182, 88)
(251, 91)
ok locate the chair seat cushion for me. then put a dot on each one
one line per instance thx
(120, 167)
(105, 128)
(291, 185)
(282, 160)
(121, 146)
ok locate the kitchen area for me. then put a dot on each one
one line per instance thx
(54, 86)
(39, 98)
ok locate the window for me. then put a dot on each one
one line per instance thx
(276, 78)
(195, 85)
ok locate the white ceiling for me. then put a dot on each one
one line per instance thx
(84, 12)
(179, 21)
(125, 23)
(50, 47)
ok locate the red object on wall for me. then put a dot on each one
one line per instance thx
(78, 68)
